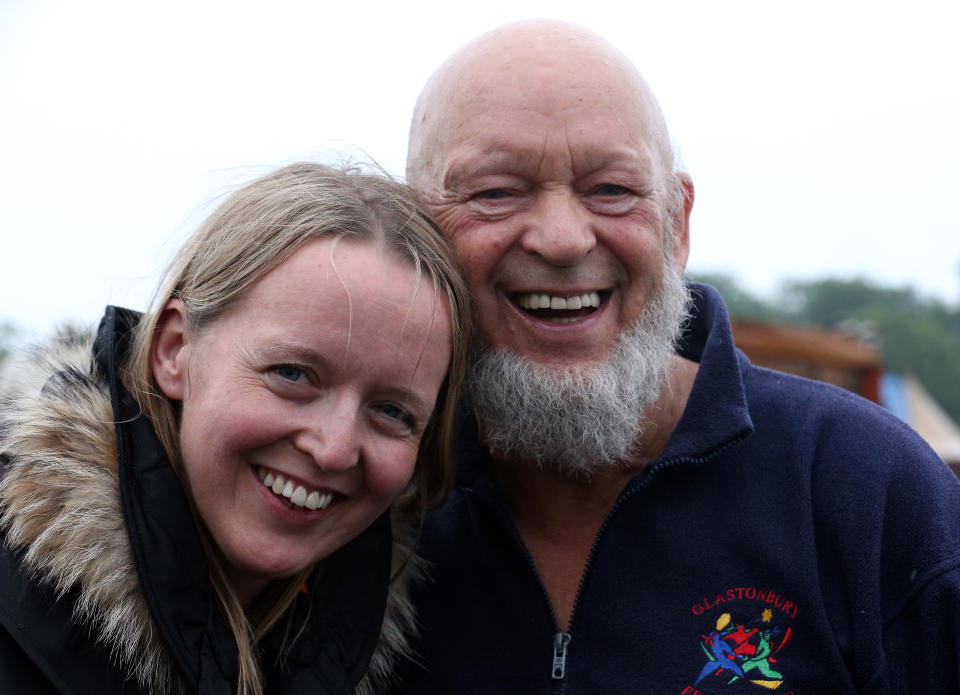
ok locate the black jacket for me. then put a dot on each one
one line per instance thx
(103, 582)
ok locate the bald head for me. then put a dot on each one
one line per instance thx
(543, 65)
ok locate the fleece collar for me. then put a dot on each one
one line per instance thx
(717, 413)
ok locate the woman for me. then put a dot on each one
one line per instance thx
(196, 500)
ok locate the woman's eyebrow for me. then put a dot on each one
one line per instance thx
(408, 397)
(296, 351)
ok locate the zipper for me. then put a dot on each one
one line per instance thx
(561, 640)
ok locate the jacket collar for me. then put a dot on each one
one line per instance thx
(717, 413)
(167, 554)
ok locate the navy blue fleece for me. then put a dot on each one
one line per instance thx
(792, 538)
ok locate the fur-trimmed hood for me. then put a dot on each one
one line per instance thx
(92, 514)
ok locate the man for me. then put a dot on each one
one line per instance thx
(629, 481)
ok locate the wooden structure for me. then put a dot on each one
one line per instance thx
(815, 353)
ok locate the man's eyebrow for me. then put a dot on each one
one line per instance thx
(468, 165)
(473, 164)
(616, 158)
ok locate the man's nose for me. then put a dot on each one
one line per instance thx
(559, 229)
(332, 441)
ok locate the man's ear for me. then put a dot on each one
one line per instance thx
(169, 350)
(681, 225)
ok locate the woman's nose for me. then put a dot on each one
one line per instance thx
(332, 442)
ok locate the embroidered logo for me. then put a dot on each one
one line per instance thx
(739, 648)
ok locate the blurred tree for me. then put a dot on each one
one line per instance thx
(920, 343)
(8, 335)
(740, 302)
(829, 302)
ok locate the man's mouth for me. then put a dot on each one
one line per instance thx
(295, 495)
(558, 308)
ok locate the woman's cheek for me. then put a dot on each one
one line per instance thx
(389, 477)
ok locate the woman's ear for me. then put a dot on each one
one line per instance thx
(169, 350)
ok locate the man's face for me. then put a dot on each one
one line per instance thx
(553, 193)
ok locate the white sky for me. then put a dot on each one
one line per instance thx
(823, 137)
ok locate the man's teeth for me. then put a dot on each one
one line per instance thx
(533, 300)
(296, 495)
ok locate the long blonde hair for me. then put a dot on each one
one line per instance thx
(253, 231)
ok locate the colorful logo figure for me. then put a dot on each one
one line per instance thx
(741, 649)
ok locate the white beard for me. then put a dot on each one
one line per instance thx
(586, 419)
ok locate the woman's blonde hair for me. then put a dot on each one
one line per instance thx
(252, 232)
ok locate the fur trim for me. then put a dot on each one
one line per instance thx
(60, 504)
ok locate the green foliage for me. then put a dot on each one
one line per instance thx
(8, 333)
(829, 302)
(916, 335)
(739, 301)
(919, 342)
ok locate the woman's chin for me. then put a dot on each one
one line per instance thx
(250, 579)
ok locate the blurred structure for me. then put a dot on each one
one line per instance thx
(908, 400)
(815, 353)
(847, 361)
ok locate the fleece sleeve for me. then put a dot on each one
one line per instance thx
(922, 639)
(889, 565)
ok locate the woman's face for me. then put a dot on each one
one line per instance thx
(304, 404)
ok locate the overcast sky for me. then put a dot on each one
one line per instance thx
(823, 137)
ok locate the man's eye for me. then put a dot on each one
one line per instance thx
(290, 372)
(611, 190)
(492, 194)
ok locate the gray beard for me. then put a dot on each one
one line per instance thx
(582, 420)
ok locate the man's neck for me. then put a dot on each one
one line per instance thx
(559, 515)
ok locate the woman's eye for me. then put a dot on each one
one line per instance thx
(290, 372)
(400, 416)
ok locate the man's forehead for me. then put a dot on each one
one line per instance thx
(543, 68)
(549, 81)
(520, 131)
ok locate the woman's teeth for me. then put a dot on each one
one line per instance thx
(296, 495)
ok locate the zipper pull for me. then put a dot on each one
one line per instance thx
(560, 642)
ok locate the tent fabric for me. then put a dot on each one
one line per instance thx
(906, 398)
